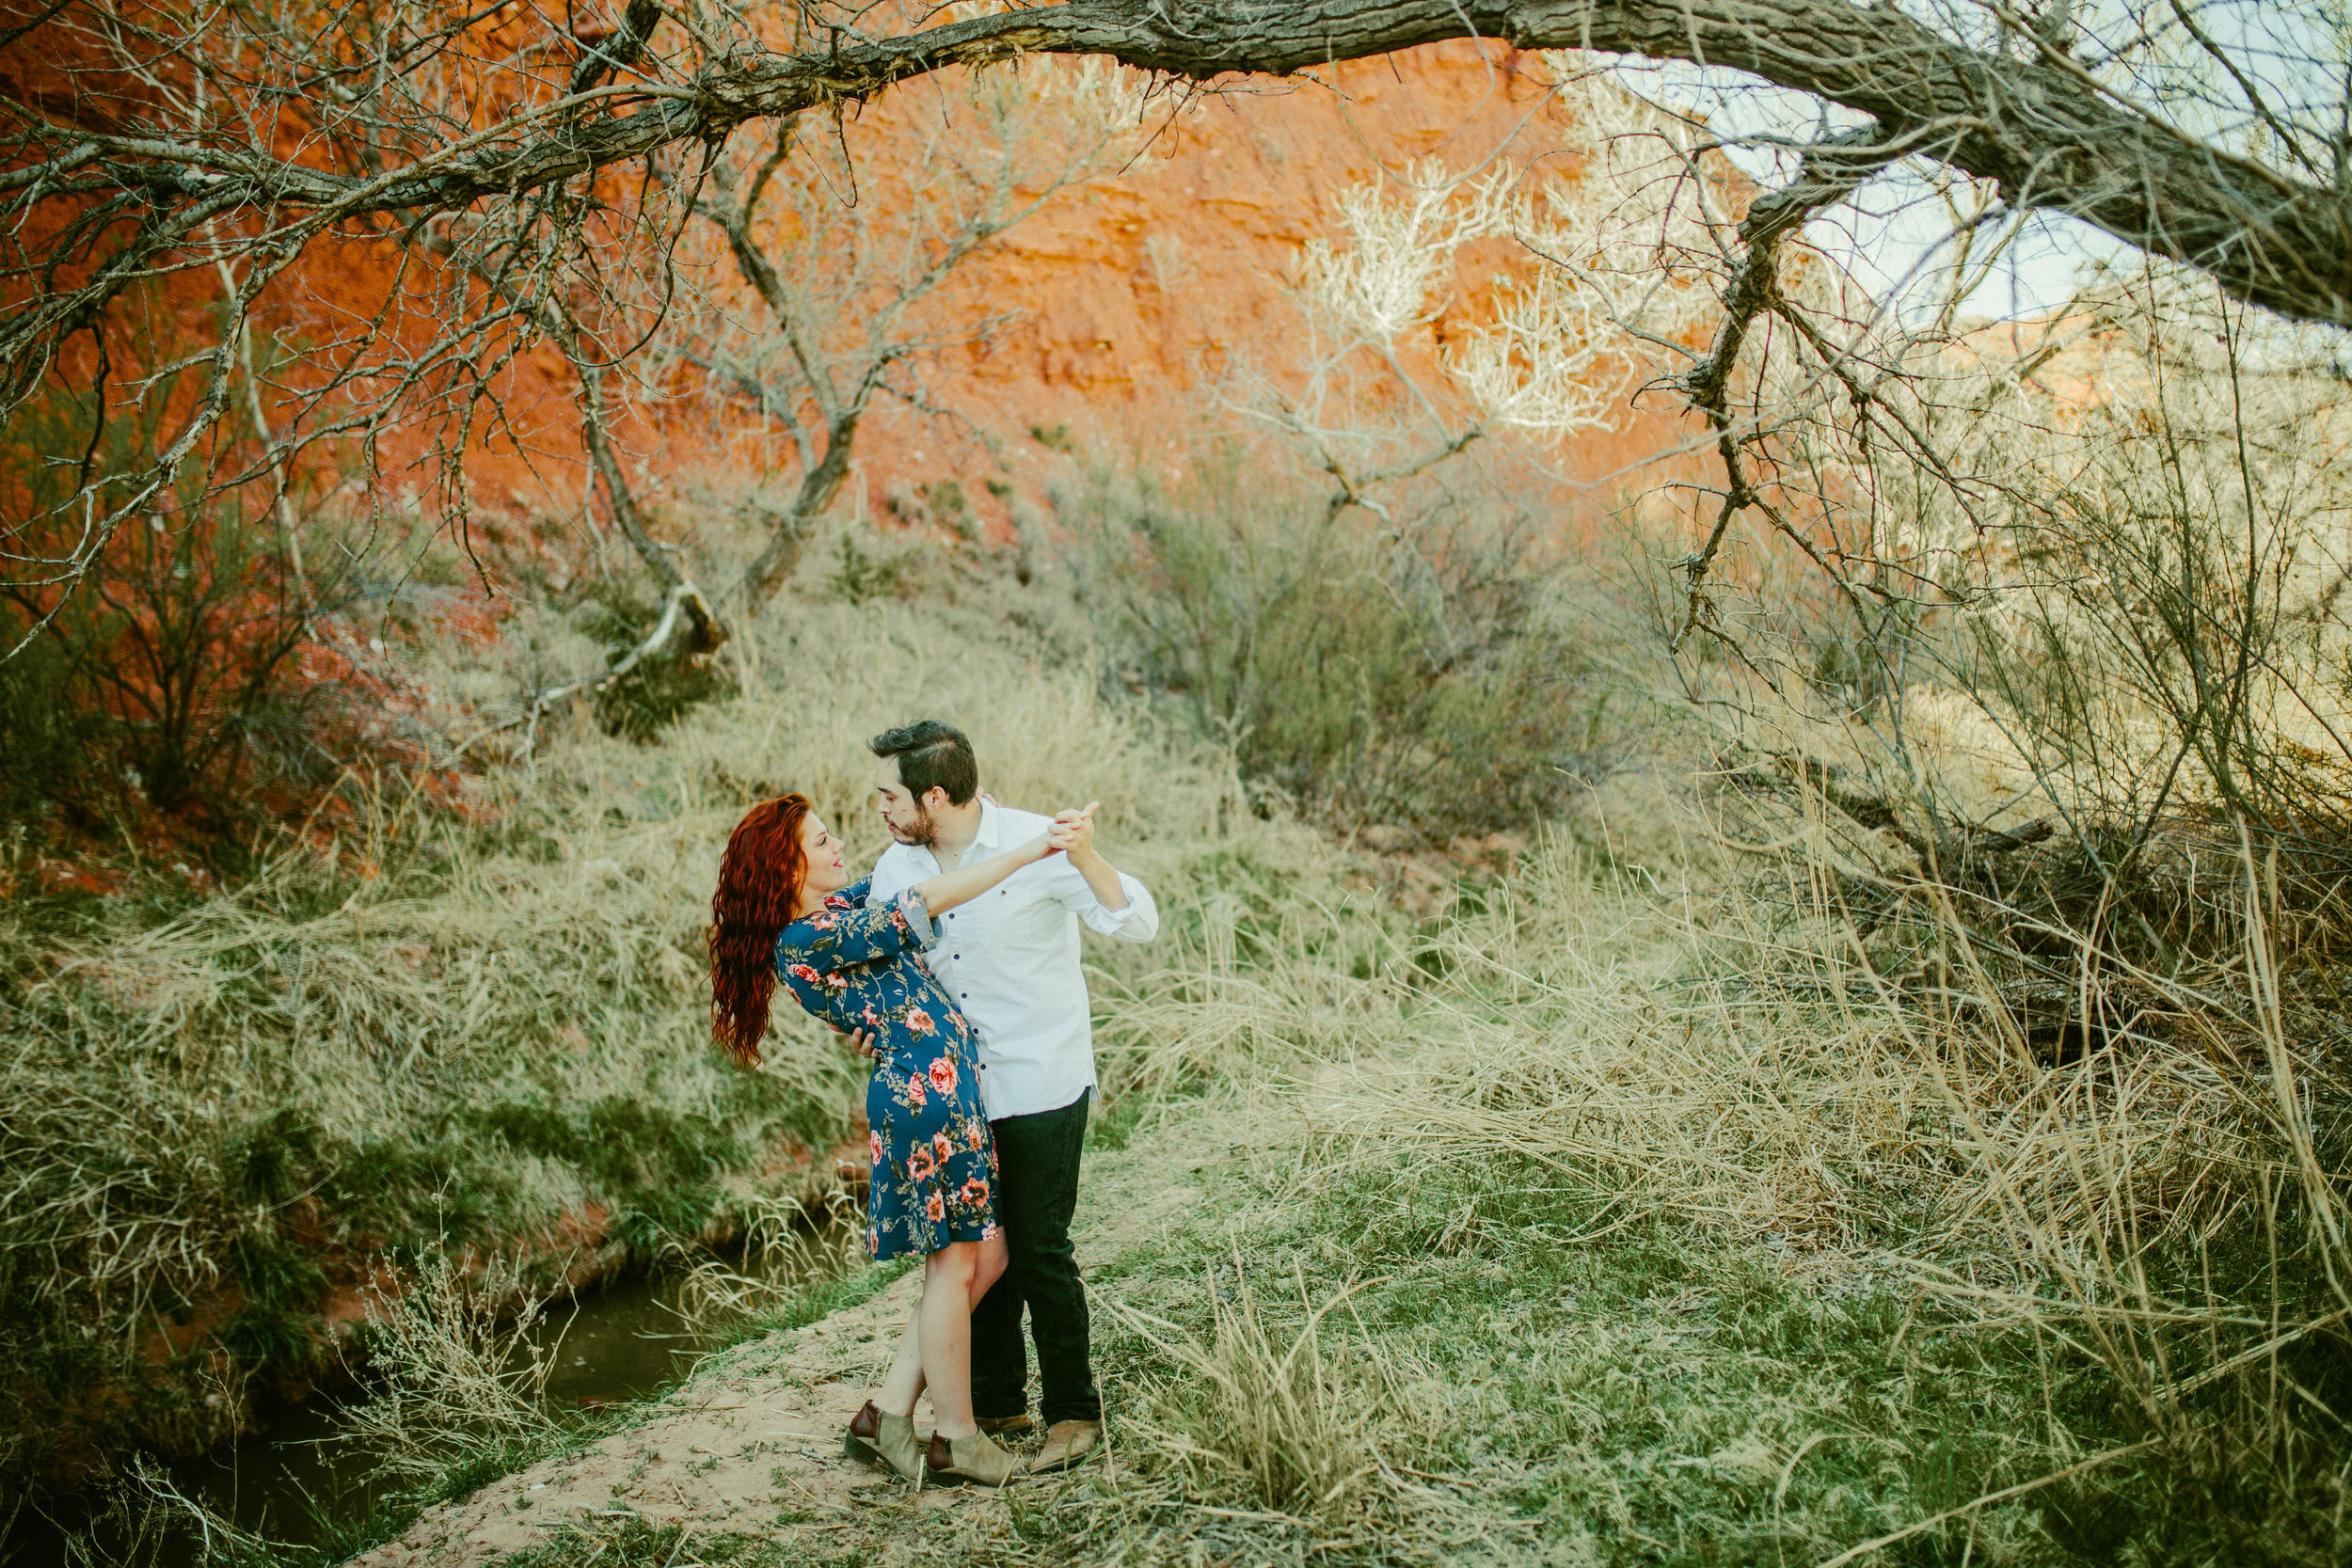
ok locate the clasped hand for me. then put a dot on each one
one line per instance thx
(1072, 832)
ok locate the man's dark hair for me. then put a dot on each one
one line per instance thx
(932, 755)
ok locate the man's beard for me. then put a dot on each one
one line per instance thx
(922, 833)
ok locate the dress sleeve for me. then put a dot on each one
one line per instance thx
(835, 939)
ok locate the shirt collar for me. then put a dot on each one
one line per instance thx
(992, 824)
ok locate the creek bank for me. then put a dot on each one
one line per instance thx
(202, 1385)
(608, 1338)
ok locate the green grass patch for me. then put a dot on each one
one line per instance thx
(1656, 1396)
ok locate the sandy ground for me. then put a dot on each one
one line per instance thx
(751, 1443)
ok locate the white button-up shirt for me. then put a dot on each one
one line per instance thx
(1010, 958)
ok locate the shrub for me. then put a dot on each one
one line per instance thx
(160, 666)
(1427, 672)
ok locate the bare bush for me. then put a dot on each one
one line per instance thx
(452, 1367)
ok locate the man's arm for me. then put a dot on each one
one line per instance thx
(1112, 902)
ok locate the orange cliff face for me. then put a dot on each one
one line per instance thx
(345, 319)
(1117, 308)
(1131, 296)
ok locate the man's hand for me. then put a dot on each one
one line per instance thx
(1074, 831)
(862, 1042)
(1077, 830)
(1058, 835)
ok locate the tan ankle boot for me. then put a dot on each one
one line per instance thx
(887, 1441)
(969, 1461)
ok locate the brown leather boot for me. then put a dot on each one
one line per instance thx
(1004, 1426)
(969, 1461)
(1066, 1444)
(887, 1441)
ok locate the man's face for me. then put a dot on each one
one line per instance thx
(901, 813)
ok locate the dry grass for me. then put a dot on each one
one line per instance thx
(1304, 1433)
(1773, 1088)
(787, 1243)
(487, 1023)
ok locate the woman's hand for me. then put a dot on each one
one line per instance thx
(949, 889)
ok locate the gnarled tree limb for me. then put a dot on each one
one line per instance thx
(2044, 128)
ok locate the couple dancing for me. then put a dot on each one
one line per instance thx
(954, 967)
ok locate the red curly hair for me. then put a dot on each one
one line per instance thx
(760, 877)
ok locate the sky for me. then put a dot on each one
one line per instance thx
(1897, 234)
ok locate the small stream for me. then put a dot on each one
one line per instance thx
(290, 1483)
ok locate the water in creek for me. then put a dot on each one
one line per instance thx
(288, 1482)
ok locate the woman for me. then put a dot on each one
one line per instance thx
(785, 909)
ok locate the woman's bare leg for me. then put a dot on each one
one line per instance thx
(944, 1325)
(906, 1380)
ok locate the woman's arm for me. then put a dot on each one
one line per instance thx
(950, 888)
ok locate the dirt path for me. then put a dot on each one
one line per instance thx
(751, 1443)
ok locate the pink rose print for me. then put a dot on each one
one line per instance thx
(943, 1147)
(915, 1094)
(874, 1145)
(989, 1231)
(976, 1134)
(943, 1076)
(804, 975)
(936, 1208)
(975, 1192)
(920, 1021)
(919, 1164)
(873, 1242)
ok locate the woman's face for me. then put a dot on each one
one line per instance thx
(820, 853)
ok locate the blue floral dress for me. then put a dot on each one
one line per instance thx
(934, 1162)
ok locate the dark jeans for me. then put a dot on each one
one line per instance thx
(1037, 1192)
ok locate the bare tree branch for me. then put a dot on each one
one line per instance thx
(2041, 128)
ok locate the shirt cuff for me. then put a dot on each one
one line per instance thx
(917, 915)
(1111, 922)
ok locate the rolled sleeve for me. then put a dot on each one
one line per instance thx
(1139, 922)
(917, 914)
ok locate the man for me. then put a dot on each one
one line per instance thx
(1011, 961)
